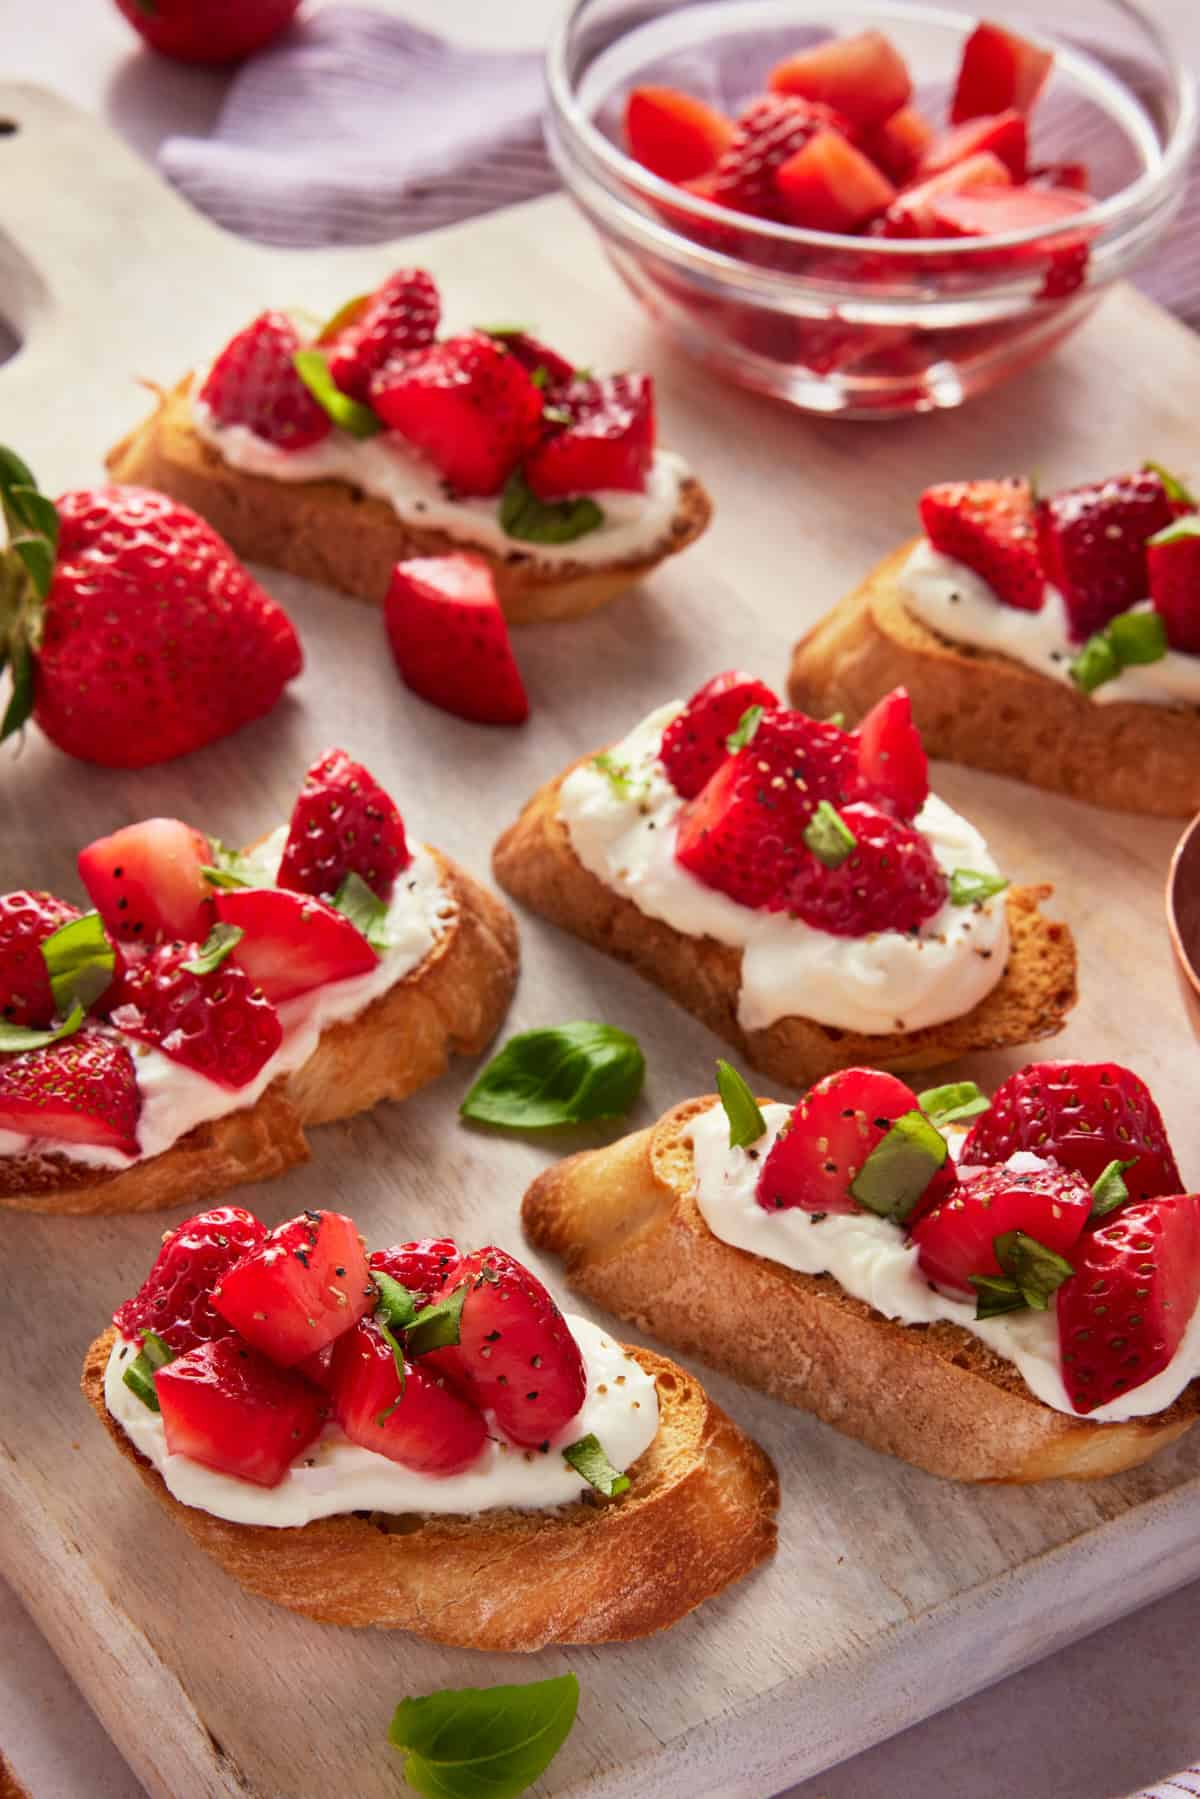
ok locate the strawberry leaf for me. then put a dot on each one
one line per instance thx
(38, 557)
(20, 705)
(36, 511)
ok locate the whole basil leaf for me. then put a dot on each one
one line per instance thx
(530, 520)
(484, 1742)
(567, 1074)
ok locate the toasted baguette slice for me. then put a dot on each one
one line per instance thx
(988, 711)
(624, 1220)
(699, 1514)
(535, 863)
(453, 1001)
(331, 532)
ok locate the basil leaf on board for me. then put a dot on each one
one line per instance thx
(530, 520)
(746, 1122)
(365, 910)
(968, 887)
(216, 946)
(16, 1039)
(996, 1294)
(828, 836)
(484, 1742)
(953, 1102)
(567, 1074)
(587, 1457)
(744, 730)
(1109, 1190)
(1039, 1272)
(439, 1326)
(79, 961)
(900, 1167)
(349, 414)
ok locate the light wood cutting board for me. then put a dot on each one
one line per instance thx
(893, 1594)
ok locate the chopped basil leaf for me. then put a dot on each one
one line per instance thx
(503, 331)
(1127, 641)
(1178, 529)
(139, 1375)
(79, 961)
(744, 730)
(530, 520)
(746, 1122)
(1109, 1190)
(952, 1103)
(395, 1306)
(1095, 664)
(229, 868)
(16, 1039)
(828, 836)
(900, 1167)
(540, 377)
(216, 946)
(345, 315)
(588, 1458)
(365, 910)
(484, 1742)
(351, 415)
(837, 719)
(1039, 1272)
(556, 415)
(566, 1074)
(619, 775)
(968, 887)
(1172, 485)
(995, 1294)
(156, 1351)
(438, 1326)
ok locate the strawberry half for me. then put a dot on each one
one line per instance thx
(1092, 543)
(26, 920)
(769, 130)
(147, 882)
(890, 881)
(428, 1426)
(175, 1299)
(1173, 565)
(402, 314)
(989, 525)
(467, 405)
(694, 744)
(830, 1134)
(955, 1237)
(227, 1407)
(343, 823)
(253, 383)
(674, 134)
(450, 640)
(999, 70)
(82, 1089)
(864, 77)
(893, 769)
(218, 1023)
(293, 942)
(299, 1288)
(606, 443)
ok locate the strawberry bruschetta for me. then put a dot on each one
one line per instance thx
(1055, 638)
(420, 1439)
(1012, 1301)
(336, 454)
(796, 886)
(174, 1041)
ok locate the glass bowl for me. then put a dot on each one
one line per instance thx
(869, 326)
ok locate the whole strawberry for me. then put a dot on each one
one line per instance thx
(213, 31)
(132, 632)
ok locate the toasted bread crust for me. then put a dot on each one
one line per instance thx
(302, 527)
(632, 1239)
(988, 711)
(535, 863)
(452, 1002)
(700, 1514)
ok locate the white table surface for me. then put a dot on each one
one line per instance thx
(1108, 1715)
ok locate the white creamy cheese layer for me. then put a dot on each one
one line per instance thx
(953, 600)
(890, 981)
(335, 1476)
(176, 1099)
(871, 1260)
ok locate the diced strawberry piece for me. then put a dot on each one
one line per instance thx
(830, 1134)
(608, 444)
(533, 354)
(899, 143)
(985, 213)
(673, 134)
(226, 1406)
(1004, 135)
(694, 743)
(830, 186)
(216, 1023)
(318, 1367)
(1125, 1310)
(426, 1267)
(82, 1089)
(1084, 1115)
(999, 70)
(912, 213)
(293, 942)
(770, 129)
(466, 404)
(450, 639)
(428, 1427)
(893, 768)
(343, 823)
(254, 383)
(26, 920)
(147, 882)
(1173, 565)
(1092, 543)
(864, 77)
(303, 1286)
(1073, 176)
(890, 881)
(989, 525)
(175, 1299)
(402, 314)
(955, 1238)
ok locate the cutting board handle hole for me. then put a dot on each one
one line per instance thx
(8, 127)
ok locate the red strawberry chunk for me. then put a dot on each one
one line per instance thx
(608, 444)
(428, 1427)
(254, 383)
(890, 881)
(533, 354)
(426, 1267)
(467, 405)
(771, 129)
(82, 1089)
(694, 744)
(300, 1288)
(830, 1134)
(216, 1023)
(987, 210)
(1004, 135)
(147, 882)
(450, 639)
(1092, 543)
(293, 942)
(914, 213)
(899, 143)
(26, 920)
(674, 134)
(402, 314)
(863, 77)
(342, 823)
(1173, 565)
(955, 1238)
(175, 1299)
(828, 185)
(1072, 176)
(999, 70)
(226, 1406)
(893, 768)
(1123, 1313)
(1084, 1115)
(989, 525)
